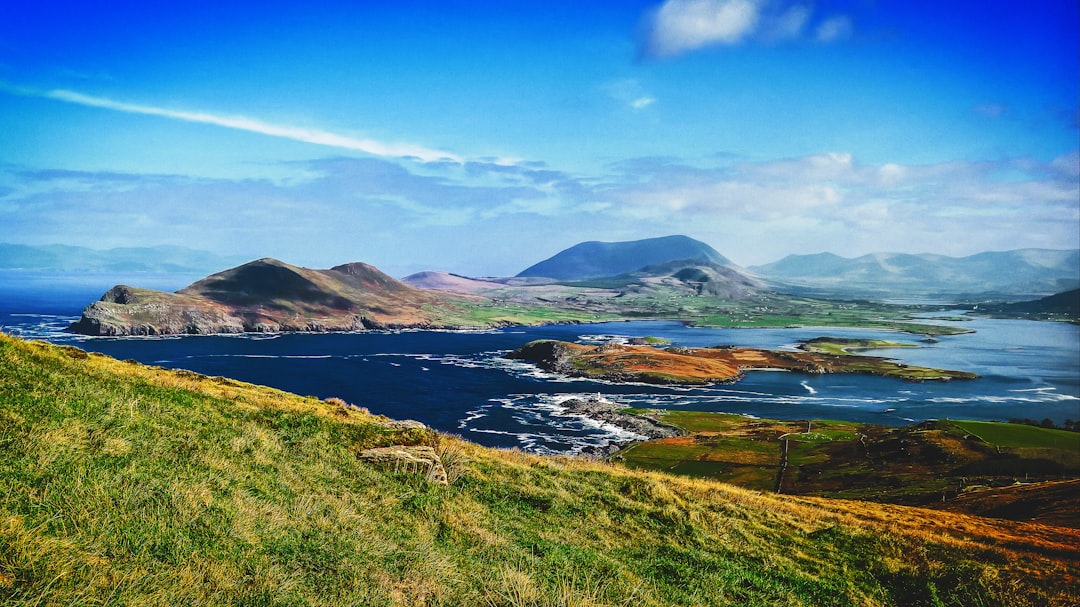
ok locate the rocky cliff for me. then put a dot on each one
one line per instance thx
(265, 295)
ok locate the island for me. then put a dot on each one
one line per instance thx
(722, 364)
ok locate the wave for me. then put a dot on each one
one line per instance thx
(1042, 389)
(541, 424)
(996, 399)
(251, 336)
(48, 327)
(31, 315)
(271, 356)
(604, 339)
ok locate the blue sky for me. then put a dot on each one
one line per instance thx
(479, 138)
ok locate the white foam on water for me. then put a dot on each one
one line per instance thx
(571, 432)
(1035, 397)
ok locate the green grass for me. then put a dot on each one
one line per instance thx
(823, 436)
(912, 465)
(768, 310)
(472, 314)
(786, 311)
(130, 485)
(702, 421)
(838, 346)
(1022, 436)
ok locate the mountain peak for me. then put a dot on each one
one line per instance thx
(595, 259)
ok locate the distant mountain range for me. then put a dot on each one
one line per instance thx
(672, 266)
(63, 258)
(1019, 273)
(658, 277)
(593, 259)
(1008, 275)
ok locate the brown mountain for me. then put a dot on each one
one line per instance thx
(445, 281)
(265, 295)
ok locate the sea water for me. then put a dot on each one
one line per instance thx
(459, 382)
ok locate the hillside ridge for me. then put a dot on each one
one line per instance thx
(133, 484)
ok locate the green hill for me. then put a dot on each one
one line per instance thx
(1060, 306)
(129, 485)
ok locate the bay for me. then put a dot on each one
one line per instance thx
(459, 382)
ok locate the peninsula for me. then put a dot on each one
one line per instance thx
(270, 296)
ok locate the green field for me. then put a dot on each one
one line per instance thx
(912, 465)
(604, 301)
(1022, 436)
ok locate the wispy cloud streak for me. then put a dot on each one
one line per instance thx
(251, 125)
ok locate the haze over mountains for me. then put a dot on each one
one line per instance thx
(1010, 275)
(63, 258)
(1022, 273)
(588, 280)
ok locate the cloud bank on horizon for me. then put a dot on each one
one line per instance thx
(763, 127)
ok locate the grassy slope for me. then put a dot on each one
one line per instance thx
(1022, 436)
(123, 484)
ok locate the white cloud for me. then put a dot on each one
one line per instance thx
(252, 125)
(1067, 165)
(788, 24)
(680, 26)
(684, 25)
(630, 92)
(365, 208)
(796, 204)
(742, 199)
(834, 28)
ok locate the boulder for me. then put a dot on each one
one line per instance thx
(413, 459)
(403, 424)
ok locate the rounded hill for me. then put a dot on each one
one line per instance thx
(595, 259)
